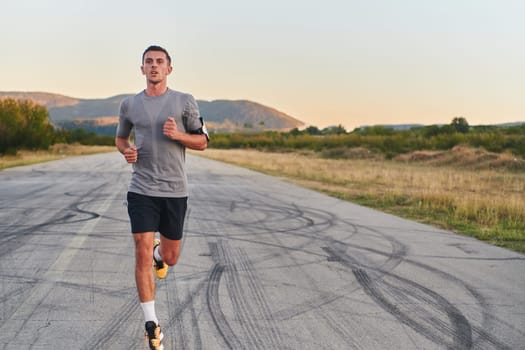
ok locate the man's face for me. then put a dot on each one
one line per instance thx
(155, 66)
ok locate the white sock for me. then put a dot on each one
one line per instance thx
(156, 253)
(149, 311)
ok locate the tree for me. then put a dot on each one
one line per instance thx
(376, 130)
(334, 130)
(460, 124)
(430, 130)
(295, 132)
(313, 130)
(24, 124)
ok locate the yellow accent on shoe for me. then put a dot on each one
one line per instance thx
(154, 336)
(160, 268)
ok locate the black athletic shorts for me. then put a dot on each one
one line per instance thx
(152, 214)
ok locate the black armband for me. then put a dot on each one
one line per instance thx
(201, 131)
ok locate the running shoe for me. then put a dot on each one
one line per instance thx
(154, 336)
(161, 269)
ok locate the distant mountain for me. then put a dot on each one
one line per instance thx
(246, 114)
(42, 98)
(411, 126)
(394, 126)
(510, 124)
(101, 115)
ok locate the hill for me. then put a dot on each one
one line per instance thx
(42, 98)
(393, 126)
(399, 127)
(100, 114)
(246, 114)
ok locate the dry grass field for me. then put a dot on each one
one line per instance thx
(485, 203)
(55, 152)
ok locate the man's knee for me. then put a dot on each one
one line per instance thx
(170, 250)
(170, 258)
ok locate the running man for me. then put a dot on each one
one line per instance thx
(163, 123)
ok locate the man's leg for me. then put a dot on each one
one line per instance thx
(143, 272)
(169, 250)
(146, 287)
(144, 216)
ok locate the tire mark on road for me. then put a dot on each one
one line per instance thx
(105, 335)
(402, 298)
(273, 336)
(281, 221)
(418, 307)
(481, 337)
(316, 222)
(244, 314)
(252, 313)
(53, 274)
(214, 306)
(60, 216)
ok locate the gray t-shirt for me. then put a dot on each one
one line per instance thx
(159, 170)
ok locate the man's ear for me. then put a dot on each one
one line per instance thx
(170, 69)
(142, 70)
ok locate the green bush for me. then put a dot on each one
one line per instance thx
(377, 140)
(25, 125)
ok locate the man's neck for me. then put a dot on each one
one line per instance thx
(156, 89)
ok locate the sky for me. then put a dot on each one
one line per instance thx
(329, 62)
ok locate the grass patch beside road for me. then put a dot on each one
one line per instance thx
(484, 203)
(55, 152)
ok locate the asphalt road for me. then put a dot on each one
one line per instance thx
(265, 265)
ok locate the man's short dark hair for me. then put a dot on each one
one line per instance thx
(156, 48)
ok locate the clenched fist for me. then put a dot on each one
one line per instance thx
(170, 128)
(131, 154)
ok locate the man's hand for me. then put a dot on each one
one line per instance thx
(170, 128)
(131, 154)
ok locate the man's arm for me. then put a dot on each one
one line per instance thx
(197, 142)
(128, 151)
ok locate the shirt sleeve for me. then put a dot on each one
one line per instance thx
(193, 122)
(124, 125)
